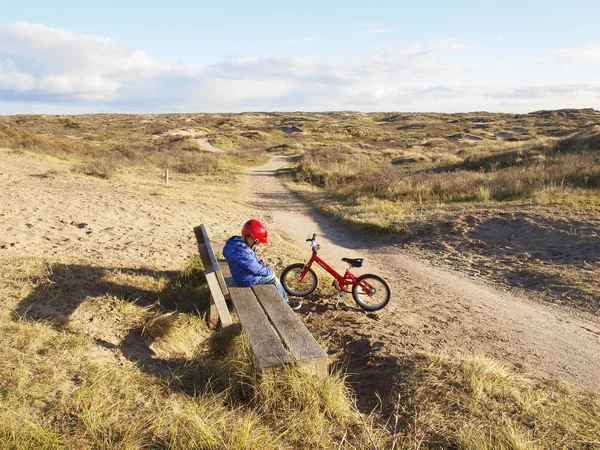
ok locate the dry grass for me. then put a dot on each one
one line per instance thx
(53, 395)
(447, 401)
(66, 402)
(347, 172)
(59, 388)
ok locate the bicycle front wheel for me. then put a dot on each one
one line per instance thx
(371, 292)
(290, 279)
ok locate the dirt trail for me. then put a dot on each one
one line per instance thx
(206, 145)
(431, 308)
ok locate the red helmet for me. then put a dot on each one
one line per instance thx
(255, 229)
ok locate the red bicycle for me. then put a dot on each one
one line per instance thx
(370, 292)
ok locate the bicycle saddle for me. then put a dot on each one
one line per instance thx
(354, 262)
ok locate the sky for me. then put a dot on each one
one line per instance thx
(72, 57)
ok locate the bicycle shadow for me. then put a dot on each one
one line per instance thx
(360, 359)
(321, 305)
(371, 374)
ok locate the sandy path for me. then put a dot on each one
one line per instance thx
(431, 308)
(206, 145)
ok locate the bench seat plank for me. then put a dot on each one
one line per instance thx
(299, 341)
(266, 344)
(264, 340)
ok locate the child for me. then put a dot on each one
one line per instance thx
(246, 268)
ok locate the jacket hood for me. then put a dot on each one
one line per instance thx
(233, 243)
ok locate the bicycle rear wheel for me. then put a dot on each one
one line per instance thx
(290, 279)
(371, 292)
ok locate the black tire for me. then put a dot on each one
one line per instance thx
(289, 280)
(379, 297)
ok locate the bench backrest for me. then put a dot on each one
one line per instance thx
(214, 277)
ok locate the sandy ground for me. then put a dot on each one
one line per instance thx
(136, 221)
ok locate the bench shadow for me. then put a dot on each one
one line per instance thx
(359, 358)
(65, 287)
(320, 304)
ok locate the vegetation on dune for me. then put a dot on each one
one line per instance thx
(493, 175)
(440, 193)
(104, 145)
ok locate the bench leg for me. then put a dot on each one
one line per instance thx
(218, 308)
(213, 314)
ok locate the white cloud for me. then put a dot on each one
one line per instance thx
(449, 45)
(61, 62)
(574, 55)
(14, 79)
(56, 67)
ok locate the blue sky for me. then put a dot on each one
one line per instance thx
(130, 56)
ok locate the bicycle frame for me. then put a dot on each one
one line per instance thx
(369, 291)
(348, 279)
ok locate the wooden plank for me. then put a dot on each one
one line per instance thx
(267, 347)
(207, 254)
(227, 275)
(198, 231)
(222, 283)
(204, 251)
(301, 344)
(218, 299)
(213, 314)
(211, 253)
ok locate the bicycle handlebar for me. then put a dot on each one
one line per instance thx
(313, 238)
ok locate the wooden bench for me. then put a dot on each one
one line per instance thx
(276, 334)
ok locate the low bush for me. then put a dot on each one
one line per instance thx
(104, 166)
(197, 163)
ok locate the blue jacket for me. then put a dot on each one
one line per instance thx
(246, 268)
